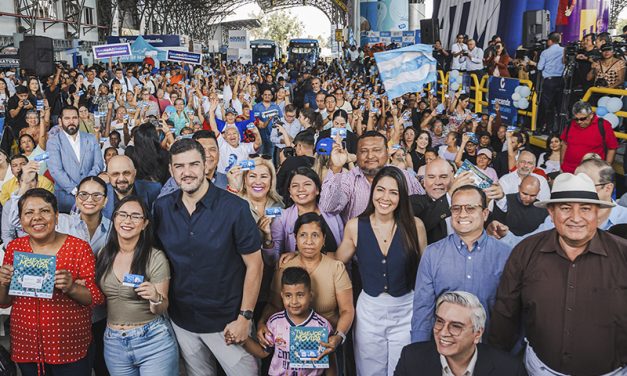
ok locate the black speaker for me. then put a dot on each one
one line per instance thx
(37, 55)
(429, 31)
(536, 26)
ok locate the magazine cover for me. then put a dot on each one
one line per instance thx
(480, 179)
(305, 347)
(33, 275)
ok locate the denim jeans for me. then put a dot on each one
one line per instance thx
(81, 367)
(149, 350)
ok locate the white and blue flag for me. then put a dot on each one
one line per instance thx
(407, 69)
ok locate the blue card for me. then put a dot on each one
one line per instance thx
(338, 132)
(250, 126)
(41, 157)
(132, 280)
(247, 164)
(273, 212)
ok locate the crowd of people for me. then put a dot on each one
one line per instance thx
(427, 239)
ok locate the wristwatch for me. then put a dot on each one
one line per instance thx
(341, 335)
(248, 315)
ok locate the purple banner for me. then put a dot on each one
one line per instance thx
(106, 51)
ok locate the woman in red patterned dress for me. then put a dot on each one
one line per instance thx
(51, 336)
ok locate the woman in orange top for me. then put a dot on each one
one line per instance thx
(51, 336)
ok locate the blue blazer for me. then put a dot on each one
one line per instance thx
(146, 190)
(65, 168)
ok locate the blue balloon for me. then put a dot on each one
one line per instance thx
(602, 111)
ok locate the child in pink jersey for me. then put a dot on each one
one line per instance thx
(297, 296)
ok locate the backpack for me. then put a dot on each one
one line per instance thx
(601, 131)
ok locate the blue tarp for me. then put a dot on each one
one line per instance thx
(138, 50)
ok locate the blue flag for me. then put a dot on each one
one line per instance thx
(407, 69)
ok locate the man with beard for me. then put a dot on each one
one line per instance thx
(347, 192)
(122, 172)
(74, 155)
(216, 266)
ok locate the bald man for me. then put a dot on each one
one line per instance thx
(525, 164)
(603, 176)
(433, 208)
(516, 210)
(122, 183)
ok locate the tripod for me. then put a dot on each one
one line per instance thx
(569, 73)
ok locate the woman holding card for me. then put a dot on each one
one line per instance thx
(304, 188)
(135, 278)
(49, 335)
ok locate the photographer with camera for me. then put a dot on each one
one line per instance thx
(17, 107)
(473, 59)
(609, 71)
(551, 65)
(458, 50)
(585, 57)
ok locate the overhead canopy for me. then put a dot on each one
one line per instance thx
(140, 49)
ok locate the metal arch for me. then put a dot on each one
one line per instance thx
(195, 18)
(616, 6)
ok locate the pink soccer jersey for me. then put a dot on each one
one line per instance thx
(279, 336)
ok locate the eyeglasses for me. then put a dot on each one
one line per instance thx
(454, 328)
(580, 120)
(96, 196)
(469, 208)
(135, 218)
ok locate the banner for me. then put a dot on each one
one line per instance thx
(481, 19)
(500, 90)
(384, 15)
(106, 51)
(165, 40)
(184, 57)
(407, 69)
(238, 39)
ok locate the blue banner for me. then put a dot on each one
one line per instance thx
(111, 50)
(166, 40)
(500, 90)
(184, 57)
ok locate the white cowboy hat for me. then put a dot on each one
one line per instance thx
(574, 188)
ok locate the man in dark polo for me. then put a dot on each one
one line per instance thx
(213, 245)
(565, 288)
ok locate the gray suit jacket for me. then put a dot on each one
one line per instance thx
(66, 170)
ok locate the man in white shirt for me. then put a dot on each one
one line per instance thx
(291, 124)
(91, 79)
(124, 82)
(457, 50)
(524, 166)
(473, 59)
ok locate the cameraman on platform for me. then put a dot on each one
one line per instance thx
(587, 55)
(551, 65)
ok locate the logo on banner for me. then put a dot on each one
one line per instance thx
(502, 83)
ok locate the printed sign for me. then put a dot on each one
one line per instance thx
(33, 275)
(106, 51)
(500, 91)
(184, 57)
(305, 347)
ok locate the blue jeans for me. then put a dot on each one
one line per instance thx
(150, 349)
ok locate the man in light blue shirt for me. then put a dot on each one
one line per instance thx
(603, 175)
(551, 65)
(467, 260)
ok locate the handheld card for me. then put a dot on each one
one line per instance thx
(40, 104)
(273, 212)
(247, 164)
(132, 280)
(250, 126)
(41, 157)
(338, 132)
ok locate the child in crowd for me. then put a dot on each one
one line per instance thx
(297, 297)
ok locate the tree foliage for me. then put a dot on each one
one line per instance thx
(279, 26)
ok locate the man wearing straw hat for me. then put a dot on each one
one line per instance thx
(566, 288)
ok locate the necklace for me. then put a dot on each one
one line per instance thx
(390, 234)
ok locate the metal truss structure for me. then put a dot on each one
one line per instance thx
(616, 6)
(195, 18)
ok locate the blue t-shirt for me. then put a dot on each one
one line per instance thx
(259, 109)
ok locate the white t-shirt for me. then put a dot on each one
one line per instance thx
(230, 156)
(458, 61)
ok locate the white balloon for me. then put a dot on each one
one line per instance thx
(454, 73)
(525, 91)
(603, 101)
(612, 119)
(523, 104)
(517, 90)
(516, 97)
(455, 86)
(614, 105)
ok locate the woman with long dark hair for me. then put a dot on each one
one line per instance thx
(551, 159)
(149, 158)
(310, 119)
(135, 279)
(388, 241)
(497, 64)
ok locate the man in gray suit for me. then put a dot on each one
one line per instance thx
(73, 155)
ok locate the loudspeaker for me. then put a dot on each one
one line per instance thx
(429, 31)
(37, 55)
(536, 26)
